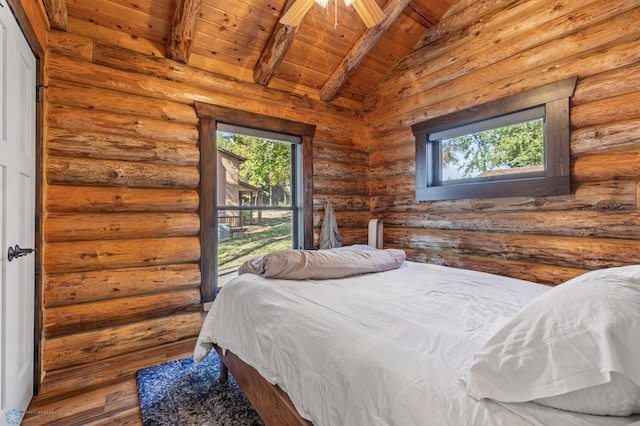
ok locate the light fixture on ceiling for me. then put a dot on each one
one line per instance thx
(369, 11)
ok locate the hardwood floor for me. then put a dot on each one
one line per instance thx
(113, 404)
(104, 393)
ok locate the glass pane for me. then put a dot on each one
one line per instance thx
(265, 231)
(252, 172)
(499, 153)
(259, 168)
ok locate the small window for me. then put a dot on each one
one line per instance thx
(517, 146)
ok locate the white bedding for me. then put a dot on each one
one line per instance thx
(378, 349)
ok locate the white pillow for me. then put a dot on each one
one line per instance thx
(565, 345)
(619, 397)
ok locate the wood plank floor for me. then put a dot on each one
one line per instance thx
(113, 404)
(110, 395)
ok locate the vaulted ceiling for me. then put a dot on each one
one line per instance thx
(243, 39)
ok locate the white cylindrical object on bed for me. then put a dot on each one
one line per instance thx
(375, 233)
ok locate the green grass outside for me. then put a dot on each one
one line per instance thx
(274, 234)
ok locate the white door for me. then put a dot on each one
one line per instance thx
(17, 216)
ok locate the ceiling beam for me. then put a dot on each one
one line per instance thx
(457, 15)
(183, 29)
(361, 49)
(57, 11)
(274, 52)
(425, 16)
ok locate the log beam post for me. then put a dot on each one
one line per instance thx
(361, 49)
(183, 29)
(57, 11)
(275, 50)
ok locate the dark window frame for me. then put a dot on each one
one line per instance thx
(210, 116)
(556, 178)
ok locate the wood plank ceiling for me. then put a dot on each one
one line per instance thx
(243, 39)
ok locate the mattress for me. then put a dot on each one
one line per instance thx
(389, 348)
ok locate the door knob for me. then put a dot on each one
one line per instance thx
(16, 251)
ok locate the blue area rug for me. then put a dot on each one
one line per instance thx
(182, 393)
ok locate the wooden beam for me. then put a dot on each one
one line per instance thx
(57, 11)
(183, 29)
(361, 49)
(459, 14)
(425, 16)
(274, 52)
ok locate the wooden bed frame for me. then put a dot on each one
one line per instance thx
(272, 403)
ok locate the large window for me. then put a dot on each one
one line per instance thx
(517, 146)
(258, 199)
(255, 190)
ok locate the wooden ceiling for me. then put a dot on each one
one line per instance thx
(243, 39)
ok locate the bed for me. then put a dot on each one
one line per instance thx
(423, 344)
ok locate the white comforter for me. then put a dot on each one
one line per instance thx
(377, 349)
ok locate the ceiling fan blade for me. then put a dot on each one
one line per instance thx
(369, 11)
(293, 17)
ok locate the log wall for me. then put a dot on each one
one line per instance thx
(121, 178)
(506, 47)
(121, 196)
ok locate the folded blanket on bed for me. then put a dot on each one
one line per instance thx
(323, 264)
